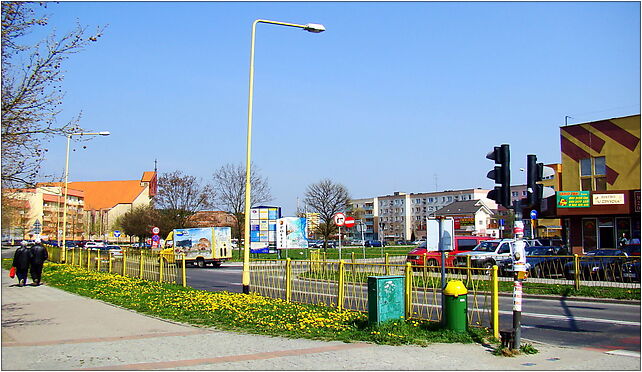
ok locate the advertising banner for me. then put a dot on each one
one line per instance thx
(263, 228)
(573, 199)
(290, 233)
(193, 242)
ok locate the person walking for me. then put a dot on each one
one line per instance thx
(39, 255)
(21, 259)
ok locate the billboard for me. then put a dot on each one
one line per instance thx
(263, 228)
(290, 233)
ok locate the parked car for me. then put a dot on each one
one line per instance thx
(552, 242)
(374, 243)
(487, 253)
(358, 243)
(600, 264)
(631, 272)
(533, 242)
(540, 261)
(433, 258)
(115, 250)
(94, 245)
(631, 249)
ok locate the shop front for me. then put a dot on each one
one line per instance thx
(598, 219)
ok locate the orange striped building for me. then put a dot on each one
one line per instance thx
(599, 200)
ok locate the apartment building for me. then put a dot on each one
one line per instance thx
(367, 217)
(40, 210)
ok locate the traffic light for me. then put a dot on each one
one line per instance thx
(535, 172)
(501, 175)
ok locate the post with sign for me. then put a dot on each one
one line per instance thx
(519, 270)
(339, 220)
(155, 237)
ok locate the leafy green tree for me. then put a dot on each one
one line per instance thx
(138, 221)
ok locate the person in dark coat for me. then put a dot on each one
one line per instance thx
(38, 257)
(21, 260)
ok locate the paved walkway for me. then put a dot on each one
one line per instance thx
(44, 328)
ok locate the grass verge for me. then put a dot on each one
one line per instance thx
(432, 280)
(248, 313)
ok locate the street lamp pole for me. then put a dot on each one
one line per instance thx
(64, 213)
(310, 27)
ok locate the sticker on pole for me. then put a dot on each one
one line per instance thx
(339, 219)
(518, 228)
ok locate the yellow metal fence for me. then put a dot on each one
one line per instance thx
(344, 285)
(145, 265)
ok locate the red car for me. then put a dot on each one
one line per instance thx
(433, 258)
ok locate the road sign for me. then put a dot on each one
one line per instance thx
(339, 219)
(349, 222)
(37, 227)
(155, 238)
(155, 230)
(533, 214)
(116, 234)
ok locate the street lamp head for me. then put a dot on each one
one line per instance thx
(315, 28)
(105, 133)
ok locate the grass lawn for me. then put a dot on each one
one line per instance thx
(248, 313)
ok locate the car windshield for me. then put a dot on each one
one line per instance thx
(537, 251)
(609, 252)
(486, 246)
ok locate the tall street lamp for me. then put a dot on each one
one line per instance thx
(310, 27)
(64, 213)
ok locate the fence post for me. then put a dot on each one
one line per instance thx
(408, 290)
(341, 296)
(98, 262)
(110, 263)
(140, 269)
(88, 258)
(576, 260)
(387, 261)
(288, 279)
(495, 301)
(184, 275)
(161, 263)
(468, 276)
(125, 262)
(73, 255)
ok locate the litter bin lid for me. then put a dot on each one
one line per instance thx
(455, 288)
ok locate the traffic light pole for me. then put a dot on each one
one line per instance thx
(519, 270)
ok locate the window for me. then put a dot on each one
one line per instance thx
(593, 174)
(524, 193)
(515, 194)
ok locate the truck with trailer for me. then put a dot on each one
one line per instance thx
(201, 246)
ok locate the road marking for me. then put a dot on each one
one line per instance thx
(575, 318)
(630, 353)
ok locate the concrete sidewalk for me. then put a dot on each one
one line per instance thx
(44, 328)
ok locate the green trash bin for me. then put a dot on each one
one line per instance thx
(455, 306)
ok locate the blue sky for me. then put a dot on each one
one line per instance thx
(392, 97)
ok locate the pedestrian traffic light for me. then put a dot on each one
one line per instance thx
(535, 172)
(501, 175)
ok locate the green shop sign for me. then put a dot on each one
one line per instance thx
(573, 199)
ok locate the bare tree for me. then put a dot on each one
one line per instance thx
(229, 183)
(180, 196)
(327, 198)
(32, 76)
